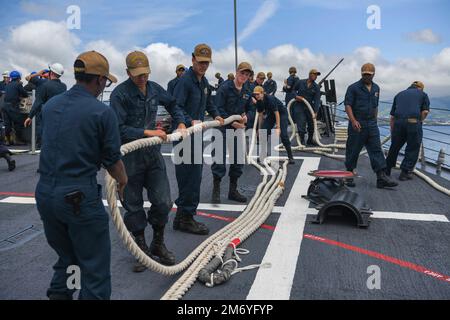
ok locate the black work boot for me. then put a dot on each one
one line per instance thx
(388, 171)
(290, 157)
(310, 142)
(383, 181)
(233, 193)
(350, 182)
(8, 140)
(215, 198)
(140, 241)
(405, 175)
(186, 223)
(11, 162)
(158, 248)
(302, 139)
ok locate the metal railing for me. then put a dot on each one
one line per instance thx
(439, 162)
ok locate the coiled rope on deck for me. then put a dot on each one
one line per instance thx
(265, 197)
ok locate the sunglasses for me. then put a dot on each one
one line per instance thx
(108, 82)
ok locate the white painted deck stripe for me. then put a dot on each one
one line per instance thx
(239, 208)
(275, 283)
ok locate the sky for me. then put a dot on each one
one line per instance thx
(411, 41)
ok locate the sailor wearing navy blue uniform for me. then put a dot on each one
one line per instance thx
(44, 92)
(290, 84)
(4, 151)
(361, 105)
(409, 109)
(233, 98)
(219, 80)
(14, 92)
(306, 89)
(270, 86)
(172, 83)
(80, 134)
(193, 96)
(272, 112)
(135, 102)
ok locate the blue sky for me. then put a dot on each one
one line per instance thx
(323, 26)
(412, 44)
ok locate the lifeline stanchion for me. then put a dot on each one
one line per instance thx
(326, 153)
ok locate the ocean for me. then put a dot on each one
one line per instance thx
(432, 147)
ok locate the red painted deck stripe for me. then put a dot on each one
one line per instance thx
(228, 219)
(16, 194)
(402, 263)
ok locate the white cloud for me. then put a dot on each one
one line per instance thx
(35, 44)
(424, 36)
(267, 10)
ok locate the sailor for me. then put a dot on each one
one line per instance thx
(194, 97)
(260, 77)
(44, 92)
(290, 84)
(232, 98)
(272, 112)
(172, 83)
(250, 85)
(80, 134)
(409, 109)
(219, 80)
(4, 151)
(361, 105)
(14, 92)
(36, 79)
(3, 84)
(136, 102)
(270, 86)
(306, 89)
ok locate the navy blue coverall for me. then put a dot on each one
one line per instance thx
(270, 87)
(145, 167)
(291, 84)
(407, 112)
(300, 112)
(171, 85)
(14, 92)
(44, 92)
(269, 105)
(194, 98)
(80, 134)
(364, 105)
(230, 101)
